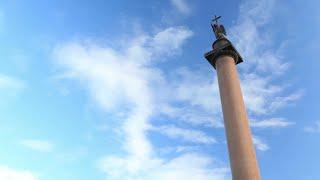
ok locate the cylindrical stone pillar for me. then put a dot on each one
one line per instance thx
(244, 165)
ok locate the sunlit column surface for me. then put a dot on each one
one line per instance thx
(241, 150)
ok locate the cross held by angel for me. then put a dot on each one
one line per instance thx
(217, 28)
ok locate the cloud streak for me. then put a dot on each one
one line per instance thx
(38, 145)
(7, 173)
(269, 123)
(315, 128)
(187, 135)
(259, 144)
(10, 83)
(181, 5)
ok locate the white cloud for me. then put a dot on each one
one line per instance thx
(315, 128)
(178, 149)
(282, 101)
(202, 100)
(124, 81)
(187, 135)
(258, 93)
(253, 40)
(199, 95)
(273, 122)
(181, 6)
(201, 168)
(262, 96)
(123, 78)
(192, 115)
(38, 145)
(263, 62)
(7, 173)
(195, 88)
(260, 145)
(10, 83)
(10, 87)
(170, 40)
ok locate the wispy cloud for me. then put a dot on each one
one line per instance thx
(188, 135)
(273, 122)
(7, 173)
(315, 128)
(179, 149)
(121, 78)
(10, 83)
(264, 62)
(260, 144)
(202, 168)
(125, 81)
(199, 96)
(252, 37)
(38, 145)
(181, 5)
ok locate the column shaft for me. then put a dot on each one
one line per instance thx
(242, 155)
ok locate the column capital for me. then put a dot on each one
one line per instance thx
(222, 47)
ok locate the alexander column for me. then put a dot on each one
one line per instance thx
(224, 58)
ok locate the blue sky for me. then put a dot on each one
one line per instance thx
(121, 90)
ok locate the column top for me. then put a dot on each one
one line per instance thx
(222, 45)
